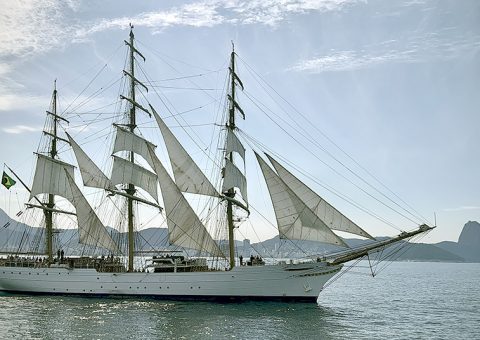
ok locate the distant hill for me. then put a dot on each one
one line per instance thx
(468, 245)
(413, 251)
(13, 234)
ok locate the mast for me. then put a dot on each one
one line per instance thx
(51, 198)
(131, 188)
(231, 191)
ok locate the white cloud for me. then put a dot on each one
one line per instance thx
(30, 27)
(10, 102)
(271, 12)
(209, 13)
(17, 129)
(33, 26)
(422, 48)
(200, 14)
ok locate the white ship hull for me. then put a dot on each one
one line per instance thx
(291, 282)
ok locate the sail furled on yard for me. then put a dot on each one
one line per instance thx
(125, 172)
(91, 231)
(92, 176)
(295, 220)
(129, 141)
(188, 176)
(50, 177)
(333, 218)
(56, 177)
(184, 227)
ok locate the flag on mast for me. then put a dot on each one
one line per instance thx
(7, 181)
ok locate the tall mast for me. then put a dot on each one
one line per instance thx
(51, 198)
(231, 127)
(131, 188)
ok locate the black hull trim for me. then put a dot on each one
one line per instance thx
(208, 298)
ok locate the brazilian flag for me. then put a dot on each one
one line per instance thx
(7, 181)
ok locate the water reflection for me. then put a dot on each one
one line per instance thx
(409, 301)
(69, 317)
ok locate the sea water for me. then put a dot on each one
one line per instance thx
(407, 300)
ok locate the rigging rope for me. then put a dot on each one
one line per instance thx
(315, 142)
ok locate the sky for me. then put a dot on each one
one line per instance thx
(393, 84)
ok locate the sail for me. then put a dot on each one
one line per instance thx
(295, 220)
(234, 144)
(128, 141)
(91, 231)
(92, 176)
(50, 177)
(55, 177)
(188, 176)
(233, 178)
(125, 172)
(184, 227)
(333, 218)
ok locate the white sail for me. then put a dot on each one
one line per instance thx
(91, 231)
(128, 141)
(233, 178)
(333, 218)
(234, 144)
(55, 177)
(295, 220)
(125, 172)
(188, 176)
(50, 177)
(92, 176)
(184, 227)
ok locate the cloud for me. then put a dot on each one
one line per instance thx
(463, 208)
(271, 12)
(200, 14)
(30, 27)
(211, 13)
(10, 102)
(427, 47)
(17, 129)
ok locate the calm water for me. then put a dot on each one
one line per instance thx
(406, 301)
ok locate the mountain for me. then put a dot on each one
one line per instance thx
(468, 245)
(412, 251)
(466, 249)
(14, 233)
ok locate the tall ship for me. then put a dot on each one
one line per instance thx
(199, 259)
